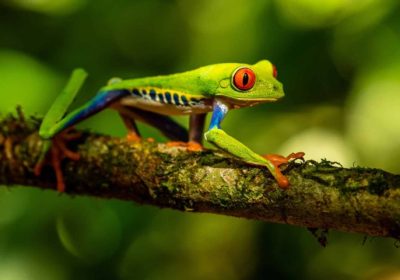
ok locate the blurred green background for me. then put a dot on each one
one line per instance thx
(339, 61)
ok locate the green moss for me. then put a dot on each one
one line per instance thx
(378, 184)
(276, 195)
(164, 156)
(221, 197)
(171, 187)
(207, 159)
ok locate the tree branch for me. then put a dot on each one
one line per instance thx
(322, 195)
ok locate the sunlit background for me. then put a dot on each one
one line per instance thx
(339, 61)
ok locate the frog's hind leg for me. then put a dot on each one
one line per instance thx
(56, 126)
(165, 124)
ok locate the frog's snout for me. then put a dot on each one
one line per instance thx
(277, 88)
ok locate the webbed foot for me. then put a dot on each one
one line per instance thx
(278, 160)
(58, 151)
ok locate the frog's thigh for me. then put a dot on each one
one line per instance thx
(165, 124)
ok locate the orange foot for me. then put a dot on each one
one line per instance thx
(278, 160)
(58, 152)
(132, 137)
(191, 145)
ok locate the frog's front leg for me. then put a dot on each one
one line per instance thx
(196, 127)
(227, 143)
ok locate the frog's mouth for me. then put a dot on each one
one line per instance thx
(243, 102)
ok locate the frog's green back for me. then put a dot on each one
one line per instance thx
(214, 81)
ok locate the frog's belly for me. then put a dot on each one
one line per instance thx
(197, 107)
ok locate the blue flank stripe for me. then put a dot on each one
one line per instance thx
(136, 92)
(168, 97)
(176, 99)
(184, 100)
(153, 94)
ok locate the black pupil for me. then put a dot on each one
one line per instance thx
(245, 79)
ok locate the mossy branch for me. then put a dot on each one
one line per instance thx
(322, 195)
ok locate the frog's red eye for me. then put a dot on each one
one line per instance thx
(274, 71)
(244, 78)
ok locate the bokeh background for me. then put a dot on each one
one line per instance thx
(339, 61)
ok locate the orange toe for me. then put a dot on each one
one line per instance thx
(191, 145)
(64, 151)
(56, 163)
(278, 160)
(298, 155)
(132, 137)
(194, 146)
(38, 167)
(57, 153)
(283, 182)
(176, 144)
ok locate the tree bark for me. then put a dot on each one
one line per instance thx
(321, 195)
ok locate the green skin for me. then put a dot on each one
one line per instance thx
(212, 84)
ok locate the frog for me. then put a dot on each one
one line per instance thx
(216, 89)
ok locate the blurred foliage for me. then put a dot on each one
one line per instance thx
(339, 62)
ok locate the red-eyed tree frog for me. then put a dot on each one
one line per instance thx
(215, 88)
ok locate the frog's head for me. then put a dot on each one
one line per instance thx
(245, 85)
